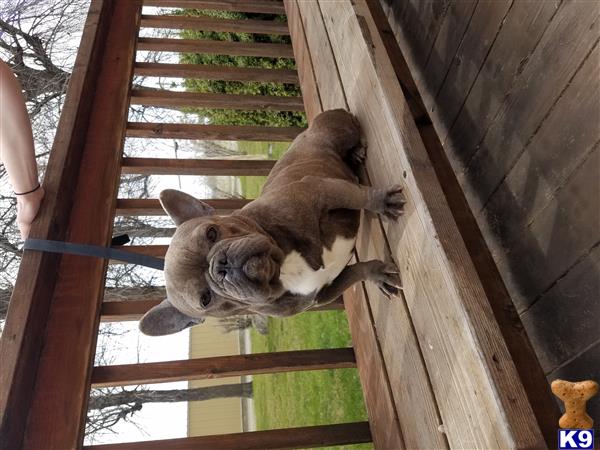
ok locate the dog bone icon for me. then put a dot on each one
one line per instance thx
(575, 396)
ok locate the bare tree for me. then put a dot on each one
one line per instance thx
(107, 407)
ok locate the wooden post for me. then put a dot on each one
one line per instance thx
(59, 403)
(23, 334)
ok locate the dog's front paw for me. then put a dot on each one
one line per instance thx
(388, 202)
(386, 276)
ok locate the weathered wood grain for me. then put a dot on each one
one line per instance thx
(435, 266)
(256, 6)
(286, 438)
(23, 334)
(324, 66)
(555, 321)
(520, 34)
(310, 93)
(216, 47)
(430, 76)
(58, 409)
(211, 132)
(177, 99)
(567, 42)
(484, 26)
(209, 72)
(219, 25)
(223, 366)
(207, 167)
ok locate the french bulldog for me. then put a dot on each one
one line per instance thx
(285, 252)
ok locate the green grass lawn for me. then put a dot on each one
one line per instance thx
(319, 397)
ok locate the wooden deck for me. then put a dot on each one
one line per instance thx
(445, 365)
(514, 94)
(438, 364)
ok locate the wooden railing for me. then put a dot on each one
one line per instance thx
(48, 344)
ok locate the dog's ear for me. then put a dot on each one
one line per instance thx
(183, 207)
(164, 318)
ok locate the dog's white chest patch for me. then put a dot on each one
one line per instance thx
(299, 278)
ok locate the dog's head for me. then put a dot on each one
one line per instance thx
(215, 266)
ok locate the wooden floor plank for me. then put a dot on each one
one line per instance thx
(485, 24)
(569, 38)
(223, 366)
(212, 132)
(377, 392)
(216, 47)
(177, 99)
(324, 65)
(310, 91)
(270, 27)
(286, 438)
(210, 72)
(430, 76)
(152, 207)
(206, 167)
(401, 351)
(448, 305)
(255, 6)
(524, 26)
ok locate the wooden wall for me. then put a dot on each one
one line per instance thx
(513, 89)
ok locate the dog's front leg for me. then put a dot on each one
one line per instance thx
(385, 275)
(334, 193)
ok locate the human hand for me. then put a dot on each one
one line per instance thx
(28, 206)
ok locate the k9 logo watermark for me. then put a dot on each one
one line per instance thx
(575, 439)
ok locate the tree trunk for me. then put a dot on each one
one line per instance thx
(99, 401)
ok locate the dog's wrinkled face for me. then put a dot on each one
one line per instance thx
(215, 266)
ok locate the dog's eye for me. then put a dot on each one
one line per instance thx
(206, 298)
(212, 234)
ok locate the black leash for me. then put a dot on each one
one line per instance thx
(43, 245)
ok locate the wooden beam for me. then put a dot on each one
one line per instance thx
(374, 377)
(212, 132)
(286, 438)
(208, 72)
(177, 99)
(62, 383)
(216, 47)
(219, 25)
(310, 90)
(256, 6)
(129, 310)
(152, 207)
(222, 366)
(207, 167)
(470, 368)
(22, 339)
